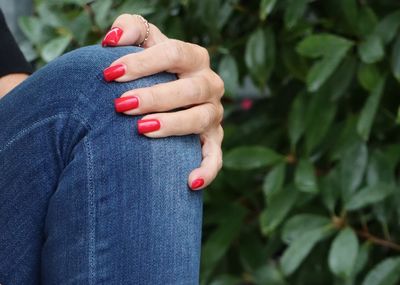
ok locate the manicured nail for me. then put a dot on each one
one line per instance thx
(147, 126)
(126, 103)
(113, 72)
(112, 37)
(197, 183)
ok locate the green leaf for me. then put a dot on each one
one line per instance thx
(386, 272)
(352, 168)
(368, 76)
(331, 48)
(294, 11)
(101, 11)
(300, 248)
(305, 179)
(79, 27)
(252, 251)
(225, 280)
(398, 116)
(371, 50)
(362, 257)
(340, 81)
(268, 274)
(225, 13)
(322, 70)
(220, 240)
(251, 157)
(301, 223)
(350, 11)
(229, 73)
(388, 27)
(369, 195)
(55, 48)
(343, 253)
(297, 122)
(260, 55)
(273, 182)
(329, 186)
(32, 28)
(395, 59)
(48, 15)
(320, 116)
(318, 45)
(369, 110)
(277, 210)
(380, 169)
(366, 20)
(266, 7)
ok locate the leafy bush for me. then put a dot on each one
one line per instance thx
(309, 193)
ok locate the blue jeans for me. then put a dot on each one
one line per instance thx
(84, 199)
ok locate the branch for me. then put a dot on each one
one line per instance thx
(379, 241)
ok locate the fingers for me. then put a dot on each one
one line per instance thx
(195, 120)
(211, 164)
(171, 55)
(130, 29)
(169, 96)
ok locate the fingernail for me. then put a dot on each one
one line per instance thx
(126, 103)
(112, 37)
(147, 126)
(197, 183)
(113, 72)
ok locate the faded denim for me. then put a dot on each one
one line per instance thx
(84, 199)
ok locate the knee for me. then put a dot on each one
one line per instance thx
(74, 82)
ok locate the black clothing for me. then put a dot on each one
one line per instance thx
(11, 58)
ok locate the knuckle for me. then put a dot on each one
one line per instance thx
(220, 113)
(197, 90)
(204, 55)
(174, 51)
(220, 86)
(151, 99)
(206, 118)
(205, 88)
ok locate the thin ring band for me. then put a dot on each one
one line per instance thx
(146, 23)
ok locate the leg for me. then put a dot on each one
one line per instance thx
(83, 198)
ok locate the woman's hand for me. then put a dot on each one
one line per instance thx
(198, 90)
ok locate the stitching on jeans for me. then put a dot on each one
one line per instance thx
(91, 211)
(38, 124)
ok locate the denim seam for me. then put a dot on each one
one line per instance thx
(76, 108)
(40, 123)
(91, 212)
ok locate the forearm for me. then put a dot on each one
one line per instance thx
(10, 81)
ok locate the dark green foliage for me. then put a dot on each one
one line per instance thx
(310, 190)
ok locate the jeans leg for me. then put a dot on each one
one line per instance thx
(84, 199)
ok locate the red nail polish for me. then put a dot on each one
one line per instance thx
(197, 183)
(112, 37)
(126, 103)
(113, 72)
(147, 126)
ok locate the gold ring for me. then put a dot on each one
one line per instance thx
(146, 23)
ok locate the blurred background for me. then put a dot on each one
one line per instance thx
(310, 188)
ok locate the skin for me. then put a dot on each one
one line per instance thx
(10, 81)
(198, 87)
(198, 90)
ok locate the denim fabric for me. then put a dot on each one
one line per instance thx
(84, 199)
